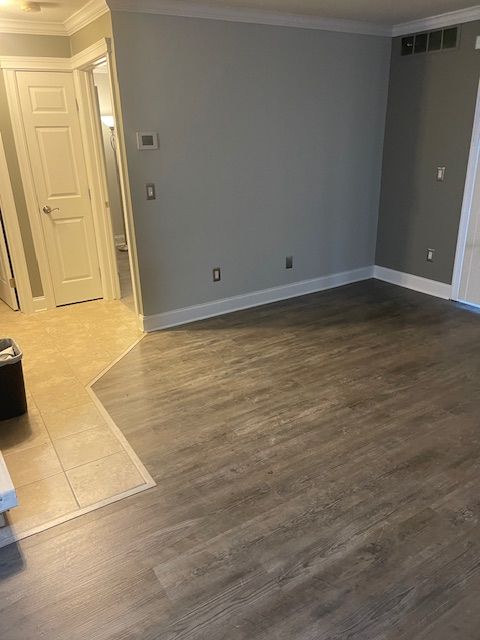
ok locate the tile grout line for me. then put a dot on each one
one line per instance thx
(125, 446)
(66, 476)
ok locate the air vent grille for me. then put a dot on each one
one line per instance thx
(430, 41)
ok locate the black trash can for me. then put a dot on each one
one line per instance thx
(13, 401)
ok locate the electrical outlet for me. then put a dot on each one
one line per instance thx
(289, 262)
(217, 276)
(430, 254)
(441, 174)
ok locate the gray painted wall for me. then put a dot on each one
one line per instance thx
(270, 145)
(429, 123)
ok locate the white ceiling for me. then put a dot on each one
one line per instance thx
(377, 16)
(49, 11)
(52, 17)
(382, 12)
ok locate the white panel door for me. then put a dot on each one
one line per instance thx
(7, 292)
(54, 142)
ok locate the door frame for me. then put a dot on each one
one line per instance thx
(467, 214)
(14, 236)
(80, 65)
(97, 180)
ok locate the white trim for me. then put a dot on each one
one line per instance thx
(32, 27)
(253, 299)
(95, 166)
(84, 62)
(91, 54)
(125, 188)
(40, 303)
(14, 236)
(409, 281)
(467, 204)
(437, 22)
(149, 481)
(193, 9)
(85, 15)
(37, 63)
(31, 63)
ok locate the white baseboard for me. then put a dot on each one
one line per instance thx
(253, 299)
(40, 303)
(424, 285)
(284, 292)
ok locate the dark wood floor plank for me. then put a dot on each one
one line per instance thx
(317, 463)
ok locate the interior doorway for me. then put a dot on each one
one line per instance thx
(109, 144)
(67, 127)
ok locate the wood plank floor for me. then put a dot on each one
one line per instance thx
(318, 469)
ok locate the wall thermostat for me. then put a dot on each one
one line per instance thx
(147, 140)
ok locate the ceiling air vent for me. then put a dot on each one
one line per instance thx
(431, 41)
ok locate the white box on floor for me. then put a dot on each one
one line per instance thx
(8, 497)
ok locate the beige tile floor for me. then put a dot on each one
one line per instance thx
(66, 456)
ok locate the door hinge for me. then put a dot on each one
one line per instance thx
(12, 283)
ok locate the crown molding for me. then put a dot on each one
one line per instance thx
(191, 9)
(194, 9)
(88, 13)
(32, 27)
(437, 22)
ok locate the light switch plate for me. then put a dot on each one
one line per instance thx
(441, 174)
(150, 189)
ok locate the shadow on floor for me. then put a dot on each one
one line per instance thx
(15, 431)
(11, 561)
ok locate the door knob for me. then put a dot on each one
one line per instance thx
(47, 209)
